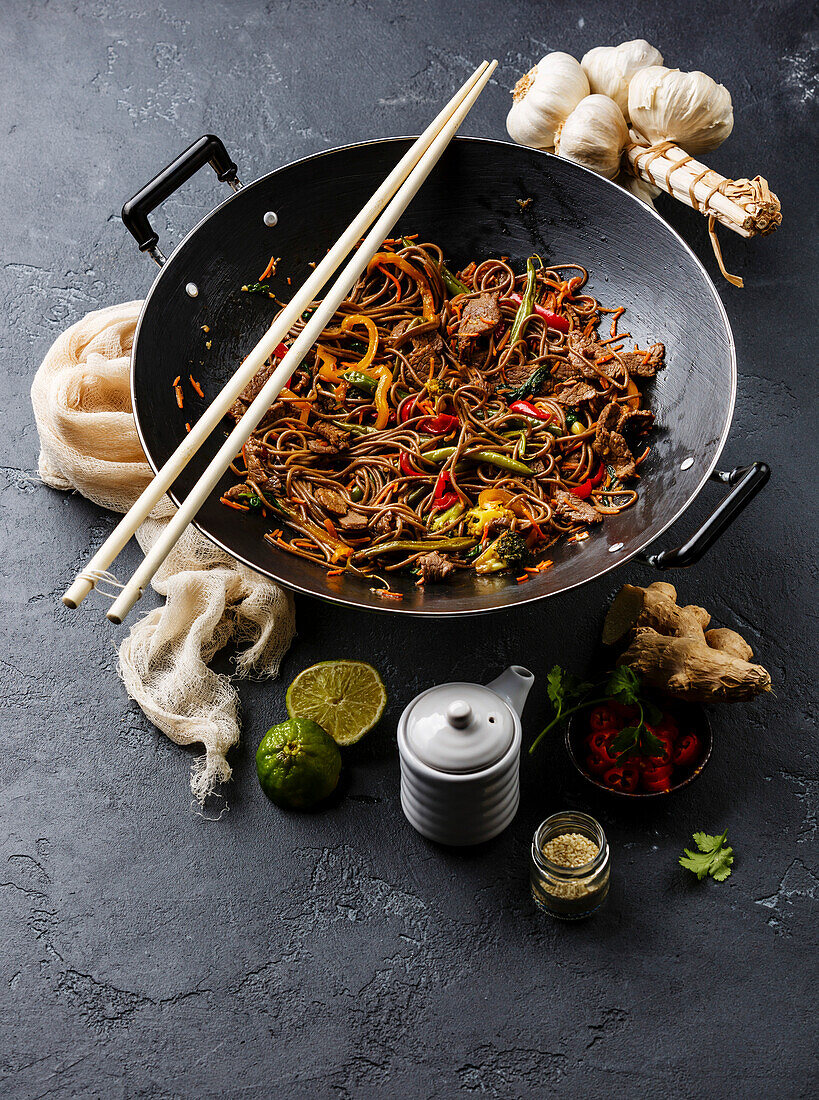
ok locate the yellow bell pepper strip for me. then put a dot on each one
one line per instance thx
(327, 365)
(301, 403)
(372, 333)
(414, 273)
(382, 398)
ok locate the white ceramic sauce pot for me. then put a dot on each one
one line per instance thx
(459, 746)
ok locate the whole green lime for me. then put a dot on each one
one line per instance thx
(298, 764)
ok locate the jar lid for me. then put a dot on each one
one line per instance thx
(460, 728)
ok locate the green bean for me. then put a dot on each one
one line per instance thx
(411, 546)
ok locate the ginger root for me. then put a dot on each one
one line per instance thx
(672, 651)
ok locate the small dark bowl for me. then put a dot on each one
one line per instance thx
(690, 717)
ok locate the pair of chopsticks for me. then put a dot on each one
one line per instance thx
(387, 205)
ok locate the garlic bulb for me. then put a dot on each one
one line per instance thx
(690, 109)
(545, 98)
(610, 68)
(594, 135)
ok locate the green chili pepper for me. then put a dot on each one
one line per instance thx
(473, 553)
(409, 546)
(452, 282)
(359, 380)
(522, 451)
(495, 458)
(527, 304)
(571, 417)
(256, 288)
(356, 494)
(308, 313)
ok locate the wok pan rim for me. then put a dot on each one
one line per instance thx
(519, 593)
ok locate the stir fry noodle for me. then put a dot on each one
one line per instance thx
(449, 422)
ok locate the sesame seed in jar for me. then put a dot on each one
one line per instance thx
(570, 850)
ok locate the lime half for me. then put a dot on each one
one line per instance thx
(346, 698)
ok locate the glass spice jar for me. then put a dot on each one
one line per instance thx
(559, 888)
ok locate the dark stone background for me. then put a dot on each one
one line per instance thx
(148, 953)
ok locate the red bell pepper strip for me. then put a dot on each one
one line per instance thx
(407, 468)
(687, 750)
(526, 409)
(438, 425)
(656, 779)
(553, 320)
(443, 484)
(623, 779)
(281, 350)
(440, 504)
(407, 410)
(582, 491)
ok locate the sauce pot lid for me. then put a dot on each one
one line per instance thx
(460, 728)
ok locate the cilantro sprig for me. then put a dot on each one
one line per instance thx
(714, 857)
(568, 694)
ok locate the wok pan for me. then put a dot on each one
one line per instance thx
(469, 206)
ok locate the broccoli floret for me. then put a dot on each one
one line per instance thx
(508, 549)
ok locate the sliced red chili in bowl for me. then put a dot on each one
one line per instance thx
(687, 750)
(624, 778)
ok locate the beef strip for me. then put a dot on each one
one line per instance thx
(575, 392)
(518, 373)
(353, 521)
(254, 386)
(574, 510)
(644, 364)
(610, 445)
(336, 437)
(478, 316)
(434, 567)
(256, 455)
(319, 447)
(422, 346)
(638, 421)
(331, 499)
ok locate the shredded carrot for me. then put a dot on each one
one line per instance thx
(176, 380)
(646, 357)
(386, 594)
(289, 281)
(196, 385)
(233, 504)
(520, 580)
(331, 530)
(187, 427)
(618, 313)
(179, 398)
(270, 269)
(605, 359)
(642, 457)
(613, 339)
(334, 572)
(392, 279)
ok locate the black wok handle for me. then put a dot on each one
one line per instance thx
(208, 149)
(746, 481)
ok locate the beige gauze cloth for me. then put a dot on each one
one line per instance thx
(82, 404)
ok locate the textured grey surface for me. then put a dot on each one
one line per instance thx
(148, 953)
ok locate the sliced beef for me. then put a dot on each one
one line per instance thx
(417, 348)
(320, 447)
(572, 509)
(331, 499)
(336, 437)
(353, 521)
(253, 388)
(574, 393)
(610, 445)
(478, 316)
(257, 454)
(644, 364)
(435, 567)
(498, 524)
(518, 373)
(638, 421)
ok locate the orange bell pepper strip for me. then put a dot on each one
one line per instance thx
(382, 393)
(372, 333)
(413, 272)
(327, 365)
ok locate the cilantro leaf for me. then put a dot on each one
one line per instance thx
(650, 745)
(714, 857)
(626, 741)
(652, 712)
(624, 685)
(563, 687)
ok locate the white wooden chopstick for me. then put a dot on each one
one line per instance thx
(132, 591)
(85, 581)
